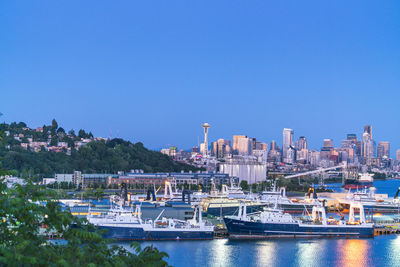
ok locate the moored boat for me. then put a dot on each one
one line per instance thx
(278, 196)
(273, 222)
(124, 224)
(364, 181)
(371, 202)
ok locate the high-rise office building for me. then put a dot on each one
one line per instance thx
(235, 143)
(287, 146)
(367, 148)
(223, 148)
(368, 130)
(328, 143)
(214, 149)
(352, 143)
(301, 143)
(245, 146)
(260, 146)
(352, 137)
(327, 149)
(398, 155)
(383, 149)
(273, 145)
(253, 142)
(274, 153)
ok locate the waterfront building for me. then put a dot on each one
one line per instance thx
(62, 177)
(261, 155)
(180, 178)
(287, 146)
(245, 168)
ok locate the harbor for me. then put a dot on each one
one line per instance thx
(236, 214)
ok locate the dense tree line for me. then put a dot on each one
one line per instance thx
(96, 157)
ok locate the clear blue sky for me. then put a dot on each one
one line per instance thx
(153, 71)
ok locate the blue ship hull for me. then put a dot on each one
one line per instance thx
(244, 229)
(138, 234)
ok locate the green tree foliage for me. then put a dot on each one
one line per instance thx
(28, 215)
(54, 125)
(244, 185)
(83, 134)
(60, 130)
(95, 157)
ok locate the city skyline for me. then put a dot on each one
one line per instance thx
(310, 143)
(250, 70)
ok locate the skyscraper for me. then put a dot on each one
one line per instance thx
(383, 149)
(223, 148)
(327, 149)
(214, 149)
(398, 155)
(273, 145)
(368, 130)
(287, 146)
(245, 146)
(301, 143)
(274, 154)
(235, 143)
(367, 148)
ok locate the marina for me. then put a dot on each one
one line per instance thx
(274, 206)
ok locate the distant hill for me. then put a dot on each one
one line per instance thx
(95, 156)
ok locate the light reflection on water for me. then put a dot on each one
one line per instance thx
(378, 251)
(266, 253)
(309, 253)
(394, 251)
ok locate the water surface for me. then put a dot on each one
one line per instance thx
(378, 251)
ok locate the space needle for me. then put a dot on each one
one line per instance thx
(205, 127)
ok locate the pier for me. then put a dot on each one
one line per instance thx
(386, 229)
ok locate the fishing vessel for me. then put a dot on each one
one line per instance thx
(273, 222)
(371, 202)
(364, 181)
(233, 191)
(278, 196)
(218, 204)
(124, 224)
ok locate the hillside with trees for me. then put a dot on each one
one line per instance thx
(97, 155)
